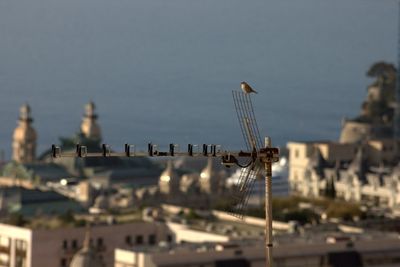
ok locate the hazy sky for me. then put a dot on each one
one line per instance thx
(163, 70)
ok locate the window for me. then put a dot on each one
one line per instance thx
(63, 262)
(296, 153)
(169, 238)
(238, 252)
(152, 239)
(74, 244)
(21, 244)
(20, 261)
(5, 259)
(99, 242)
(128, 240)
(139, 240)
(65, 244)
(4, 241)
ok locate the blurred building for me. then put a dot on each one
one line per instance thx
(62, 246)
(384, 253)
(196, 188)
(35, 202)
(30, 171)
(349, 171)
(363, 165)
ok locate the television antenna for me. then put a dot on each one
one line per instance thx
(260, 156)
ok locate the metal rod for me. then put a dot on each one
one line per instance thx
(268, 209)
(240, 114)
(250, 133)
(84, 154)
(251, 119)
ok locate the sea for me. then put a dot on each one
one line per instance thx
(162, 71)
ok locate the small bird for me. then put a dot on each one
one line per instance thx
(247, 88)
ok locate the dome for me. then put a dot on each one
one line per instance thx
(24, 131)
(168, 174)
(209, 178)
(91, 130)
(86, 257)
(24, 137)
(208, 172)
(169, 180)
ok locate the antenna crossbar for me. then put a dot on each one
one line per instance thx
(81, 151)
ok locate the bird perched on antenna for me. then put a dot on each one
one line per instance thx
(247, 88)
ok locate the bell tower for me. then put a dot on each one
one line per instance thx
(24, 137)
(89, 127)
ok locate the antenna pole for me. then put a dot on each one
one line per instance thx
(268, 208)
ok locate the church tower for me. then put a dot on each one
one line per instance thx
(169, 180)
(89, 127)
(209, 178)
(24, 138)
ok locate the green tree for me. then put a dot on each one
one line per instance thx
(302, 216)
(343, 210)
(384, 72)
(67, 217)
(192, 215)
(17, 219)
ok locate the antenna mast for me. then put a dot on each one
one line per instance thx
(259, 155)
